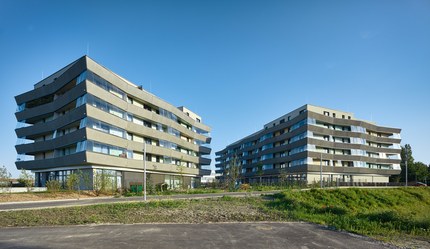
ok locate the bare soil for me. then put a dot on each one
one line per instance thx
(43, 196)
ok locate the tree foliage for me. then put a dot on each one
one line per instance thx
(5, 178)
(72, 181)
(417, 171)
(27, 179)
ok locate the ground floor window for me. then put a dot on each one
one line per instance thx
(89, 179)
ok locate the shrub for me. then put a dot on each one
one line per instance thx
(72, 182)
(27, 179)
(245, 186)
(53, 186)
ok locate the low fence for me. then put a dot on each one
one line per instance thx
(22, 189)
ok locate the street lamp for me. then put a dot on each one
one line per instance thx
(144, 170)
(406, 164)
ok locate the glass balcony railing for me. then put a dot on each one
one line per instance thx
(20, 141)
(395, 135)
(394, 146)
(24, 157)
(206, 156)
(22, 124)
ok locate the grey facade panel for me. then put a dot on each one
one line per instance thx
(53, 163)
(50, 88)
(73, 116)
(58, 103)
(59, 142)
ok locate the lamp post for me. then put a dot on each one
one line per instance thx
(406, 164)
(144, 170)
(321, 183)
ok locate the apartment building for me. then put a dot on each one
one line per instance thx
(86, 118)
(314, 142)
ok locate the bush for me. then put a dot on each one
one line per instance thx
(53, 186)
(245, 186)
(72, 182)
(27, 179)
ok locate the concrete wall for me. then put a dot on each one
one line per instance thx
(21, 190)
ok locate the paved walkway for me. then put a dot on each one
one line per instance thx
(11, 206)
(215, 235)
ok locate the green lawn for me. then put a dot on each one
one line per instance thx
(379, 213)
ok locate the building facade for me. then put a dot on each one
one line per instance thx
(314, 142)
(87, 119)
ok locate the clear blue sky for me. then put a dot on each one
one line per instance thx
(239, 64)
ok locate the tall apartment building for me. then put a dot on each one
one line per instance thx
(309, 138)
(85, 117)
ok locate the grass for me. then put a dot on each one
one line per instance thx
(379, 213)
(384, 214)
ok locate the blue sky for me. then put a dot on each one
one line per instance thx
(239, 64)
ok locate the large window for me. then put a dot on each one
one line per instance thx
(104, 127)
(357, 140)
(298, 137)
(298, 150)
(358, 129)
(106, 85)
(267, 136)
(108, 149)
(267, 146)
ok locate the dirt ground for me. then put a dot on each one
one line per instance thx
(19, 197)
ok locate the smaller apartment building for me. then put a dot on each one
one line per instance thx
(301, 143)
(85, 118)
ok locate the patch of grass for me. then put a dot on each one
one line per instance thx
(181, 211)
(380, 213)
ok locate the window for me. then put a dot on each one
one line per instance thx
(326, 113)
(282, 121)
(266, 146)
(358, 129)
(334, 115)
(298, 137)
(299, 124)
(267, 166)
(266, 136)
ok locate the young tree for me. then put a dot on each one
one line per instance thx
(72, 181)
(260, 173)
(5, 177)
(27, 179)
(232, 173)
(283, 176)
(180, 170)
(103, 182)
